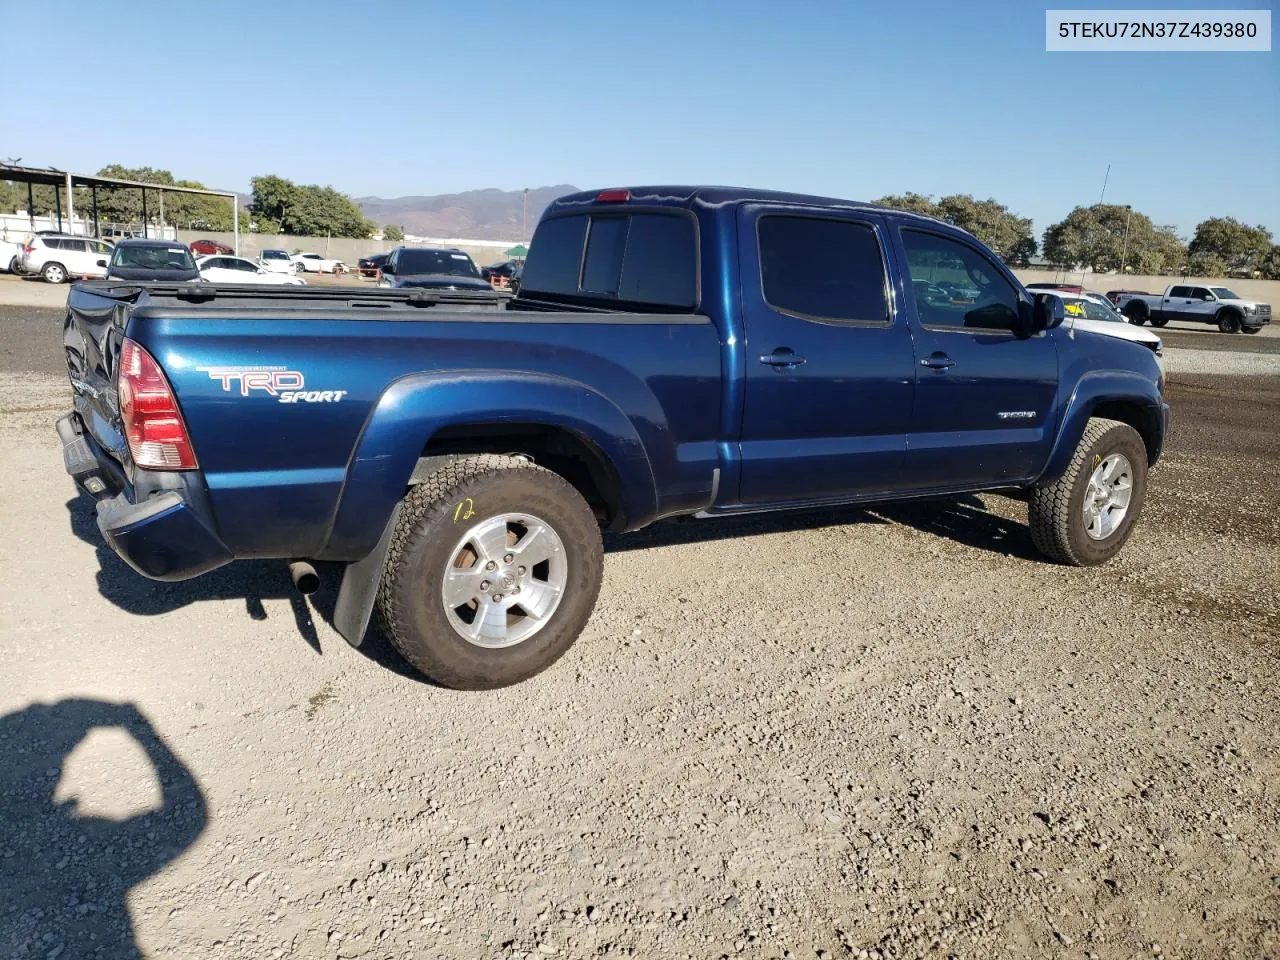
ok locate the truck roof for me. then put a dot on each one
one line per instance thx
(688, 196)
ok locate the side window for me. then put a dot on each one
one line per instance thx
(1180, 292)
(822, 269)
(235, 263)
(1199, 293)
(555, 257)
(955, 286)
(212, 263)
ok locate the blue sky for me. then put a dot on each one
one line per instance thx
(853, 99)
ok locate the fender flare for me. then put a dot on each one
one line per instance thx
(414, 408)
(1093, 389)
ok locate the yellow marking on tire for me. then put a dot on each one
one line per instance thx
(465, 510)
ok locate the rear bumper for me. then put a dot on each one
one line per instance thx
(163, 534)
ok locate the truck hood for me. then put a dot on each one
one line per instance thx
(441, 281)
(143, 274)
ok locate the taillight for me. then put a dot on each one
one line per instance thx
(613, 196)
(152, 422)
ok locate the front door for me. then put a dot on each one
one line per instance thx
(984, 397)
(829, 365)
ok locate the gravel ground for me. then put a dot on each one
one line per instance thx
(884, 733)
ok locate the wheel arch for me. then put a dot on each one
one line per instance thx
(556, 421)
(1126, 397)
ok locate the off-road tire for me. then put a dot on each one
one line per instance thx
(1055, 513)
(1137, 312)
(1229, 321)
(409, 601)
(54, 273)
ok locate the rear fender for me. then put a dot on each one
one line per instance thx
(1112, 391)
(414, 408)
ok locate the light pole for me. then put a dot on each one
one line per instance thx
(524, 217)
(1124, 249)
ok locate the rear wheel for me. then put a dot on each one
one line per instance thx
(492, 572)
(54, 273)
(1085, 516)
(1228, 321)
(1136, 311)
(1160, 321)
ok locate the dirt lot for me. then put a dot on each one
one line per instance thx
(887, 733)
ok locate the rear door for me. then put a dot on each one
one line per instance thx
(984, 399)
(1176, 302)
(829, 366)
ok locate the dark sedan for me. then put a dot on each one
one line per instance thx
(370, 265)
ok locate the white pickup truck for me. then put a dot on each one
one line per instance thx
(1218, 305)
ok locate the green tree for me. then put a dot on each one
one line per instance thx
(1271, 263)
(1103, 236)
(392, 232)
(1007, 234)
(911, 202)
(1240, 248)
(272, 198)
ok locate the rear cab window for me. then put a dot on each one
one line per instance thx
(824, 269)
(636, 260)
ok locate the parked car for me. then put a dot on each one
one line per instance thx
(1199, 304)
(10, 252)
(60, 258)
(673, 351)
(223, 269)
(370, 265)
(1064, 287)
(277, 261)
(208, 248)
(502, 273)
(1097, 315)
(151, 260)
(445, 268)
(314, 263)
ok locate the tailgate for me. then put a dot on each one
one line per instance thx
(91, 336)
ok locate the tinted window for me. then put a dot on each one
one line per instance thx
(411, 262)
(274, 255)
(661, 262)
(235, 263)
(974, 294)
(555, 256)
(1199, 293)
(606, 243)
(830, 269)
(213, 263)
(1180, 292)
(642, 258)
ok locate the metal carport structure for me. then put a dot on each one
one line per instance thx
(62, 179)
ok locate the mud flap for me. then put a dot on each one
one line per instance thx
(359, 588)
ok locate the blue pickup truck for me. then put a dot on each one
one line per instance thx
(672, 351)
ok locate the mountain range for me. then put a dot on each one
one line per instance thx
(490, 214)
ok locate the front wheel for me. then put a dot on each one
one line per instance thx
(1085, 516)
(1229, 321)
(492, 572)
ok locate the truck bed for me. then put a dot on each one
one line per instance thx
(308, 408)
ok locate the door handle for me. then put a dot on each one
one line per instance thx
(782, 357)
(937, 361)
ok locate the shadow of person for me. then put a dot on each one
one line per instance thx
(65, 877)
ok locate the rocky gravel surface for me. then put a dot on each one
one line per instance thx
(888, 733)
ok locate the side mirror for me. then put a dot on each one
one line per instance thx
(1208, 297)
(102, 263)
(389, 269)
(1046, 312)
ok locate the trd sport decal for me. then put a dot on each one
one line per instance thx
(287, 386)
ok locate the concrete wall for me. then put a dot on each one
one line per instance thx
(1268, 291)
(340, 248)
